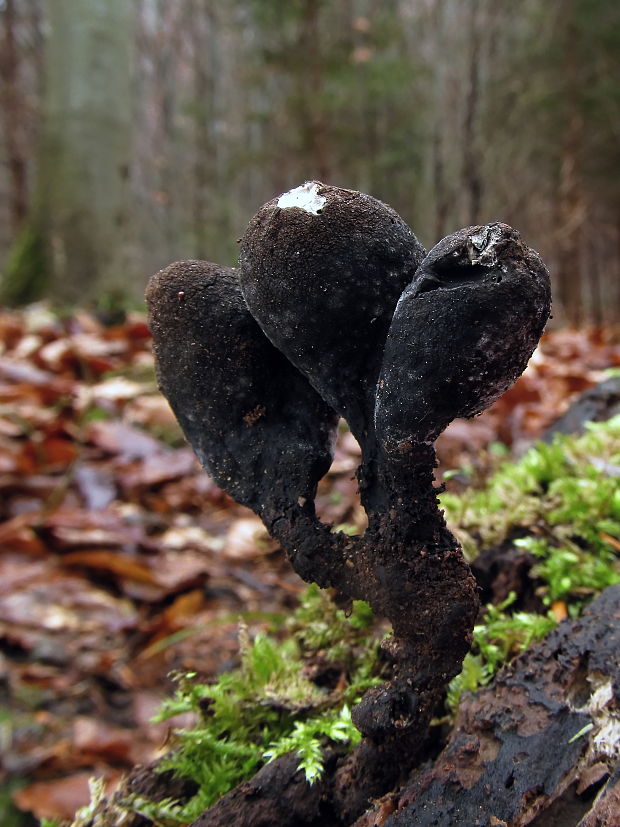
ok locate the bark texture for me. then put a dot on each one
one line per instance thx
(540, 746)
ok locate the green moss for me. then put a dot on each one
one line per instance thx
(565, 498)
(26, 271)
(499, 637)
(571, 573)
(269, 706)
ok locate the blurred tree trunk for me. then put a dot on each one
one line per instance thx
(166, 65)
(313, 121)
(571, 207)
(440, 192)
(13, 118)
(472, 161)
(73, 248)
(204, 63)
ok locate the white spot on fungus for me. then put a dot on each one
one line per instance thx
(305, 197)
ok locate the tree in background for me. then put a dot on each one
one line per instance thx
(20, 92)
(73, 246)
(551, 137)
(13, 121)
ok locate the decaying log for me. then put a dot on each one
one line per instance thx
(540, 746)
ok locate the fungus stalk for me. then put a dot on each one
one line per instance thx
(336, 310)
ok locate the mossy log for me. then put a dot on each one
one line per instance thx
(539, 746)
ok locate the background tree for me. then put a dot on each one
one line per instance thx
(73, 246)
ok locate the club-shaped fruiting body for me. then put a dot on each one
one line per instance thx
(253, 420)
(321, 275)
(462, 332)
(321, 269)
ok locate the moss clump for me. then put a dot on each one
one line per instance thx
(565, 498)
(499, 637)
(270, 705)
(26, 271)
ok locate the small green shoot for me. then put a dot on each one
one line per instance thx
(306, 737)
(583, 731)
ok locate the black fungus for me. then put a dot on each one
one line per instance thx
(254, 422)
(335, 308)
(324, 286)
(462, 332)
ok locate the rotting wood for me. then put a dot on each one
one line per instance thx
(539, 746)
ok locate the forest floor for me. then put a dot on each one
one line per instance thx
(122, 563)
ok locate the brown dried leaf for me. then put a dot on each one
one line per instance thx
(97, 739)
(70, 527)
(247, 539)
(18, 534)
(95, 484)
(159, 468)
(50, 600)
(61, 797)
(113, 562)
(118, 438)
(150, 412)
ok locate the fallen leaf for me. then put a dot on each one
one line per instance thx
(96, 485)
(96, 739)
(246, 539)
(151, 411)
(54, 601)
(559, 610)
(119, 438)
(117, 389)
(184, 608)
(70, 527)
(60, 797)
(158, 468)
(18, 534)
(113, 562)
